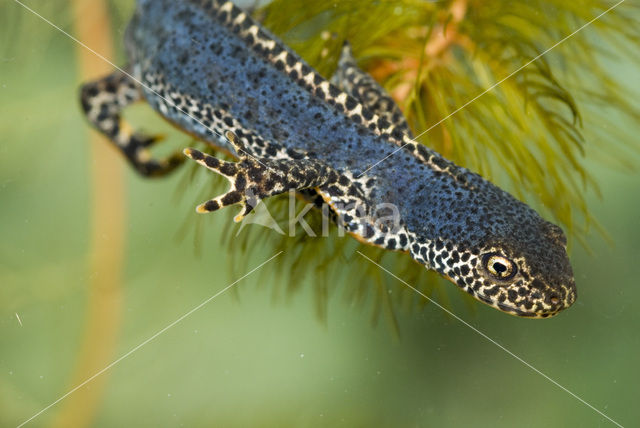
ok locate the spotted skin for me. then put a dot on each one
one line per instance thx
(210, 69)
(102, 102)
(362, 86)
(253, 179)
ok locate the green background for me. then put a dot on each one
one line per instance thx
(247, 358)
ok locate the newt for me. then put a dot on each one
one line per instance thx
(209, 68)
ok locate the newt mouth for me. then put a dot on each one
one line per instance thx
(553, 304)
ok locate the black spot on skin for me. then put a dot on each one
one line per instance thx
(197, 155)
(111, 86)
(439, 162)
(235, 11)
(240, 183)
(183, 58)
(211, 205)
(423, 252)
(212, 162)
(86, 106)
(492, 291)
(268, 185)
(228, 168)
(231, 198)
(351, 103)
(245, 24)
(391, 244)
(335, 191)
(537, 284)
(271, 150)
(104, 113)
(305, 69)
(91, 91)
(397, 134)
(383, 123)
(438, 261)
(290, 60)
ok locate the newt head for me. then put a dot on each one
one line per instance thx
(500, 251)
(514, 276)
(528, 275)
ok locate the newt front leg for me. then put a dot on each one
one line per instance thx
(253, 179)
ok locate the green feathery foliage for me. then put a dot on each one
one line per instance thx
(438, 58)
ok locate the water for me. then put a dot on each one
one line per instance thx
(251, 357)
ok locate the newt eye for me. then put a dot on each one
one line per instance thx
(499, 267)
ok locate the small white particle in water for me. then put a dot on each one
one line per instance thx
(168, 395)
(195, 331)
(301, 355)
(41, 377)
(19, 320)
(10, 373)
(378, 372)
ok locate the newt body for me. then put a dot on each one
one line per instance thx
(209, 68)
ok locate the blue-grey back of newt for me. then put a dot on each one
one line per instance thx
(209, 60)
